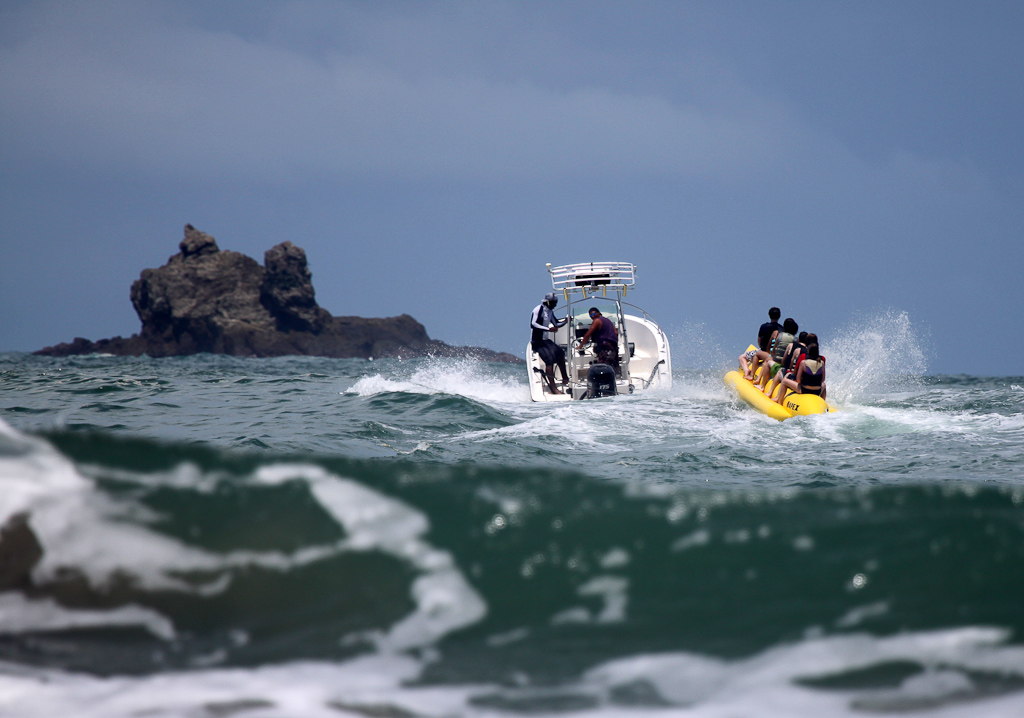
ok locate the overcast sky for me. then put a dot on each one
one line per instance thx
(845, 161)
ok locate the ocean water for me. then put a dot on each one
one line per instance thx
(213, 536)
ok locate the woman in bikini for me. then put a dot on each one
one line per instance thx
(810, 376)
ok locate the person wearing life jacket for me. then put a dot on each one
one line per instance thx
(795, 353)
(606, 339)
(810, 377)
(772, 358)
(542, 320)
(764, 336)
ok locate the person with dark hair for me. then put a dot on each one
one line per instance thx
(764, 336)
(543, 320)
(810, 377)
(606, 338)
(795, 353)
(813, 339)
(772, 358)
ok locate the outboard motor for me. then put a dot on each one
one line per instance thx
(600, 381)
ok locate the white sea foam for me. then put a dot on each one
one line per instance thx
(81, 529)
(444, 599)
(775, 682)
(766, 684)
(617, 557)
(613, 591)
(572, 425)
(471, 379)
(19, 614)
(858, 422)
(856, 616)
(700, 537)
(90, 533)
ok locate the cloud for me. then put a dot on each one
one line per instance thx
(127, 86)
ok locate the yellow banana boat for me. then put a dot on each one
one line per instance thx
(793, 405)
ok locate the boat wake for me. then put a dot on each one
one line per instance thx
(457, 377)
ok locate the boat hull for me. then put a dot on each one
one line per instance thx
(649, 367)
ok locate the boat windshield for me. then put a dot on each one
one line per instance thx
(580, 313)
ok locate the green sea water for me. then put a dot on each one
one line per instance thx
(306, 537)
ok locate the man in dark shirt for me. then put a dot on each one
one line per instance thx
(606, 339)
(764, 338)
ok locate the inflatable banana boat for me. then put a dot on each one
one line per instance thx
(793, 405)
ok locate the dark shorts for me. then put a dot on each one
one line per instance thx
(550, 353)
(608, 353)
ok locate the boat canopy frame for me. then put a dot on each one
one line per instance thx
(586, 281)
(593, 276)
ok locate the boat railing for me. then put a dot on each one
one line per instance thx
(646, 316)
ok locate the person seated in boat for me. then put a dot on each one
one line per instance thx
(813, 339)
(764, 336)
(543, 320)
(606, 339)
(810, 377)
(795, 353)
(772, 358)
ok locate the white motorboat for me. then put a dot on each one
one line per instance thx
(643, 361)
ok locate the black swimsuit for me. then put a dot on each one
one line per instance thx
(811, 381)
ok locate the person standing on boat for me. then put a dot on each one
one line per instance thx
(543, 320)
(606, 338)
(764, 337)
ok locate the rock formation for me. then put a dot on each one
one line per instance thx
(288, 293)
(210, 300)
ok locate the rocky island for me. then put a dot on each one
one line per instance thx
(210, 300)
